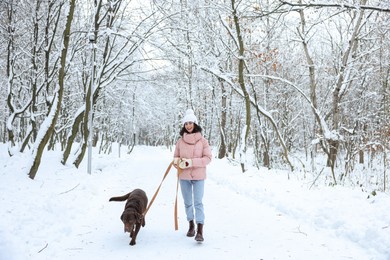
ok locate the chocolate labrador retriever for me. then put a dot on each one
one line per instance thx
(132, 217)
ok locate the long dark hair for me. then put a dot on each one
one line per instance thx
(196, 130)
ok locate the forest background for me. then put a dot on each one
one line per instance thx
(289, 83)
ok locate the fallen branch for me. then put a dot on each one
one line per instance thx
(43, 248)
(300, 232)
(70, 189)
(316, 178)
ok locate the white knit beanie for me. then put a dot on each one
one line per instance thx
(189, 117)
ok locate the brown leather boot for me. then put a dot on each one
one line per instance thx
(199, 233)
(191, 230)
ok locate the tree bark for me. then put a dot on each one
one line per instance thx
(222, 147)
(241, 82)
(69, 143)
(57, 100)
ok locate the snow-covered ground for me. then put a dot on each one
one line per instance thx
(65, 214)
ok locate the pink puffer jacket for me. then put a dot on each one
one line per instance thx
(196, 147)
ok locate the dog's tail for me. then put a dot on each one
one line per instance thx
(120, 198)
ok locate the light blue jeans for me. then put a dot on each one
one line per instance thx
(192, 192)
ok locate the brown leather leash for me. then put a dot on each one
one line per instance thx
(158, 189)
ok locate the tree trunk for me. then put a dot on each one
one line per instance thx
(93, 85)
(86, 115)
(222, 148)
(244, 136)
(338, 91)
(10, 77)
(361, 157)
(51, 120)
(69, 143)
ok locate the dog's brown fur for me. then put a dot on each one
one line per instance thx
(132, 216)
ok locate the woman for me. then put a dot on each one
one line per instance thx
(192, 154)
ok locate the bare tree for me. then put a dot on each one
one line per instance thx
(47, 127)
(117, 51)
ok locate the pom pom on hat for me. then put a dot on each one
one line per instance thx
(189, 117)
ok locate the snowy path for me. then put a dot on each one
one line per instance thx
(66, 215)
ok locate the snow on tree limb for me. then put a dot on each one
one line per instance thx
(336, 5)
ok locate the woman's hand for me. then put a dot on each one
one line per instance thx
(185, 163)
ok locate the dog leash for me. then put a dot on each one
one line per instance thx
(158, 189)
(179, 170)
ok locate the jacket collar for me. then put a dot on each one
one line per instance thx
(192, 138)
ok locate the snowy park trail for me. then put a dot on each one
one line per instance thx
(65, 214)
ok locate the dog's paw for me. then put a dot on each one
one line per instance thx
(132, 243)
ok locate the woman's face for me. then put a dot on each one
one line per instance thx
(189, 126)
